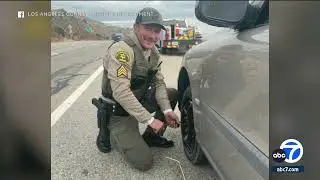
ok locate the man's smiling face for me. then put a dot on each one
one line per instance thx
(148, 34)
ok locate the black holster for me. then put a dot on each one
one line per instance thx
(104, 113)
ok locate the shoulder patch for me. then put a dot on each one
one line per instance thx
(122, 72)
(122, 56)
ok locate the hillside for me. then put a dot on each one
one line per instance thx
(83, 28)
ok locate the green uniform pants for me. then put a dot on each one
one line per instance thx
(126, 138)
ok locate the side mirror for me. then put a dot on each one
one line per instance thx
(231, 14)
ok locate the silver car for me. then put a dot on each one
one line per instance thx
(223, 89)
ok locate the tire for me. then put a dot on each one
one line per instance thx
(191, 147)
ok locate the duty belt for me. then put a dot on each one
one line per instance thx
(117, 109)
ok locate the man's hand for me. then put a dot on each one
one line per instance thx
(156, 125)
(172, 119)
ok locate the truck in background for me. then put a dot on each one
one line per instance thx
(179, 37)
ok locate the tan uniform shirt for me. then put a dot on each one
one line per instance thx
(118, 62)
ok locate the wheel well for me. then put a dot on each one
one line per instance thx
(183, 83)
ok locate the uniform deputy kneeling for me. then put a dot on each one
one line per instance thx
(133, 88)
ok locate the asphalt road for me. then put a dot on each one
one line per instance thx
(71, 64)
(73, 151)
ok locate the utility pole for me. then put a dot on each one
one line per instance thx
(70, 31)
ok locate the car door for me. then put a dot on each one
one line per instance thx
(234, 98)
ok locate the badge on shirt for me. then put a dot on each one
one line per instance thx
(122, 72)
(122, 56)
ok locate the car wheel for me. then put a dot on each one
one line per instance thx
(190, 145)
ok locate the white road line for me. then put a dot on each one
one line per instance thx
(54, 54)
(57, 113)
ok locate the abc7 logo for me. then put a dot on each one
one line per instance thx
(278, 155)
(291, 151)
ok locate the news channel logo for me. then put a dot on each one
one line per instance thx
(290, 151)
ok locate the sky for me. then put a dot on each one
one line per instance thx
(108, 11)
(168, 9)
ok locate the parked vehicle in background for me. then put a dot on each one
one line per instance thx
(117, 36)
(223, 89)
(179, 37)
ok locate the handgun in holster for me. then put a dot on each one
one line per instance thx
(105, 110)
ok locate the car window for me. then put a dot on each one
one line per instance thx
(264, 15)
(263, 19)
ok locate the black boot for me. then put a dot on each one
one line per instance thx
(103, 138)
(155, 140)
(103, 142)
